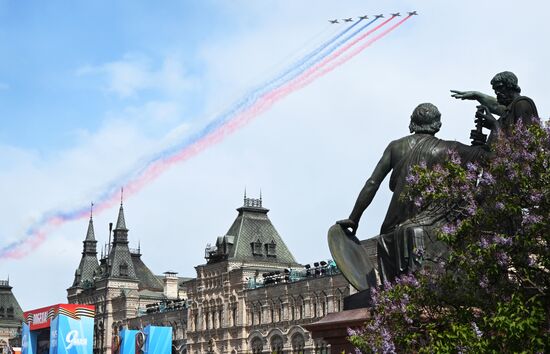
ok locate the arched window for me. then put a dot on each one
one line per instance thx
(314, 307)
(276, 344)
(257, 345)
(298, 343)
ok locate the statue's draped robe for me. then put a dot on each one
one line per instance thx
(521, 107)
(407, 235)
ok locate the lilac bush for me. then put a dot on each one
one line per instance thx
(491, 294)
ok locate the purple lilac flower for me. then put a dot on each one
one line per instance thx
(499, 205)
(531, 261)
(412, 179)
(387, 343)
(530, 219)
(503, 259)
(418, 201)
(448, 229)
(476, 329)
(483, 243)
(487, 178)
(484, 282)
(502, 240)
(536, 197)
(455, 158)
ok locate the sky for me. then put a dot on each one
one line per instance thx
(90, 89)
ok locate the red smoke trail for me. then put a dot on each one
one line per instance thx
(262, 104)
(301, 82)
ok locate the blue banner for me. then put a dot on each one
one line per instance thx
(158, 340)
(74, 335)
(28, 340)
(128, 341)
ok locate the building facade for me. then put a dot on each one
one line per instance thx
(11, 317)
(252, 296)
(119, 284)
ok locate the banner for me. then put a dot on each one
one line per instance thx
(158, 340)
(70, 327)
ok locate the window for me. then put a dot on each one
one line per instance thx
(270, 249)
(298, 343)
(123, 270)
(257, 345)
(234, 316)
(10, 312)
(257, 248)
(276, 345)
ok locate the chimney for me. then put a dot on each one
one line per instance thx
(170, 285)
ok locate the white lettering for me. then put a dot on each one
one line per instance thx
(41, 317)
(73, 340)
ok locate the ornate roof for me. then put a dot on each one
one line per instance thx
(84, 274)
(251, 237)
(9, 307)
(147, 280)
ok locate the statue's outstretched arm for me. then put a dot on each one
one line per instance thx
(488, 101)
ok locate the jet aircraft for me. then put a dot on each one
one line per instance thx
(349, 19)
(395, 14)
(363, 17)
(333, 21)
(412, 13)
(379, 16)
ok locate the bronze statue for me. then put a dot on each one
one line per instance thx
(509, 105)
(406, 238)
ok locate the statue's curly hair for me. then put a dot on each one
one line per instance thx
(425, 119)
(508, 79)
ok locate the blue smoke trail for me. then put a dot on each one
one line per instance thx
(240, 105)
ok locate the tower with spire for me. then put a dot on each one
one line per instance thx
(117, 285)
(84, 274)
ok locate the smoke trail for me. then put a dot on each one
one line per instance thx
(208, 136)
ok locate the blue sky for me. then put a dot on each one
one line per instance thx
(45, 45)
(87, 89)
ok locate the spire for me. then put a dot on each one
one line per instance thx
(121, 223)
(90, 235)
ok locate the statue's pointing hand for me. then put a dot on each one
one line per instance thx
(465, 95)
(349, 226)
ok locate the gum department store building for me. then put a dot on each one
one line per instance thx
(251, 296)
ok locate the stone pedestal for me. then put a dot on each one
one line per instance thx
(333, 328)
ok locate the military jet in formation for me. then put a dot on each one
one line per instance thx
(364, 17)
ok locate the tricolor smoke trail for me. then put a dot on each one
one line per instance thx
(330, 55)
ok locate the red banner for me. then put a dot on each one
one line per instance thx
(41, 318)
